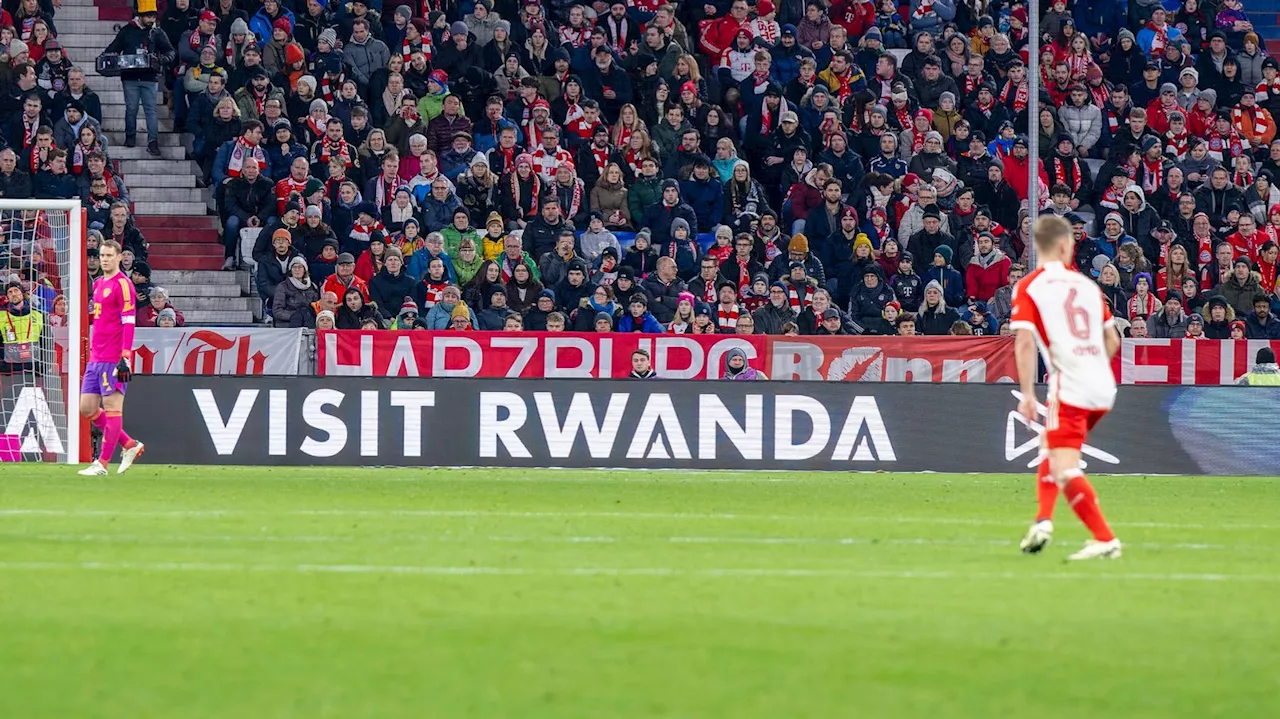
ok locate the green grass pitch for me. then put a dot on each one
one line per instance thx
(181, 592)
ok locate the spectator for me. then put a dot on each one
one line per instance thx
(158, 302)
(24, 325)
(141, 36)
(293, 295)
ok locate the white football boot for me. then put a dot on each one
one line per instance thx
(128, 456)
(1093, 549)
(1039, 536)
(97, 469)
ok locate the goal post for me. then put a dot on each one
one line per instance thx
(44, 243)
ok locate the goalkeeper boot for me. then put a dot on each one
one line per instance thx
(127, 456)
(1039, 536)
(97, 469)
(1093, 549)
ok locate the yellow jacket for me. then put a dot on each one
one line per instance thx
(17, 328)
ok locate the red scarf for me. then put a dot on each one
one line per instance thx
(240, 152)
(744, 276)
(1178, 144)
(1204, 248)
(709, 291)
(78, 153)
(844, 85)
(424, 46)
(1062, 177)
(1268, 272)
(575, 198)
(575, 37)
(317, 127)
(727, 319)
(533, 193)
(1238, 119)
(601, 157)
(971, 84)
(922, 10)
(1100, 94)
(334, 148)
(766, 123)
(326, 88)
(985, 109)
(1113, 119)
(633, 161)
(29, 131)
(365, 232)
(435, 293)
(1078, 64)
(1227, 146)
(1267, 90)
(1020, 96)
(904, 116)
(384, 192)
(1242, 179)
(1160, 40)
(798, 303)
(1153, 178)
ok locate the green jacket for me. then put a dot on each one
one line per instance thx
(643, 194)
(453, 238)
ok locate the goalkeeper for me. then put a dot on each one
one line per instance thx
(115, 305)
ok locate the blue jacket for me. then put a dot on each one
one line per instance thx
(260, 24)
(658, 219)
(706, 199)
(952, 284)
(279, 158)
(647, 323)
(989, 324)
(1255, 330)
(436, 214)
(416, 265)
(786, 64)
(686, 254)
(1095, 16)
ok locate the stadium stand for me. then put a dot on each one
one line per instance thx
(875, 152)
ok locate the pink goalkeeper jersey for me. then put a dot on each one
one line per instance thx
(115, 306)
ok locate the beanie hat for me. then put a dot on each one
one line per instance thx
(935, 285)
(799, 243)
(679, 223)
(946, 252)
(408, 306)
(328, 36)
(861, 239)
(686, 296)
(460, 310)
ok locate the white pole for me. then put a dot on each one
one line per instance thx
(1033, 123)
(76, 276)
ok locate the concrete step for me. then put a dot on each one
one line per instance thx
(194, 278)
(215, 318)
(168, 236)
(126, 154)
(166, 140)
(79, 25)
(110, 97)
(161, 194)
(151, 207)
(110, 112)
(98, 36)
(67, 13)
(133, 168)
(221, 304)
(174, 180)
(116, 124)
(185, 263)
(181, 290)
(188, 249)
(177, 223)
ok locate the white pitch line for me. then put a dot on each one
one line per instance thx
(152, 539)
(740, 572)
(511, 514)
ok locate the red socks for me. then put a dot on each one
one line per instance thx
(1046, 491)
(102, 421)
(1084, 501)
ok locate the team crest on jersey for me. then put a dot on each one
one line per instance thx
(106, 291)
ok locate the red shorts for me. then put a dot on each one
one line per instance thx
(1068, 426)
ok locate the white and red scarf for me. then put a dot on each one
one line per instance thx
(923, 10)
(1153, 177)
(242, 151)
(534, 192)
(1062, 177)
(575, 198)
(1021, 95)
(1242, 179)
(1100, 94)
(985, 109)
(575, 37)
(327, 85)
(600, 156)
(364, 233)
(1160, 40)
(434, 293)
(1177, 144)
(727, 319)
(798, 303)
(407, 48)
(384, 192)
(334, 148)
(1267, 90)
(1238, 119)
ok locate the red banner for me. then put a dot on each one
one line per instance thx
(893, 359)
(809, 358)
(526, 354)
(1183, 361)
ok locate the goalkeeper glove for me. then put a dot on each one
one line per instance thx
(124, 372)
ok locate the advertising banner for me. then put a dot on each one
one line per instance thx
(29, 428)
(893, 359)
(670, 424)
(217, 351)
(1184, 361)
(532, 355)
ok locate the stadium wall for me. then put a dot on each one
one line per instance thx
(675, 425)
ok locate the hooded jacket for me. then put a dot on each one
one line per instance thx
(866, 304)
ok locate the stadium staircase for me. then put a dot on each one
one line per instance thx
(1265, 15)
(171, 211)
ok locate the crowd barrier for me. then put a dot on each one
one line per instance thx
(669, 424)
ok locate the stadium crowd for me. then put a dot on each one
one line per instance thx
(722, 166)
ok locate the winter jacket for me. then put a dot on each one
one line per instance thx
(289, 301)
(953, 291)
(658, 219)
(935, 323)
(645, 323)
(909, 290)
(1256, 329)
(438, 316)
(1158, 325)
(642, 195)
(985, 275)
(272, 270)
(769, 319)
(866, 304)
(706, 197)
(1240, 294)
(540, 236)
(1083, 123)
(663, 297)
(389, 291)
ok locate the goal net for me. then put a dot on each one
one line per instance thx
(43, 329)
